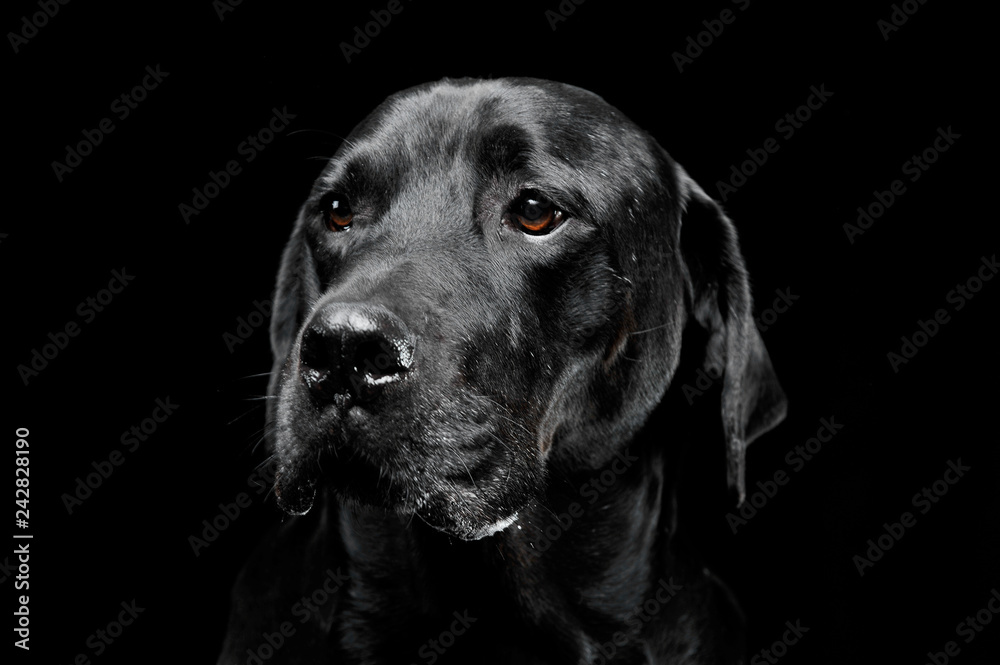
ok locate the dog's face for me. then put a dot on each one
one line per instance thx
(489, 277)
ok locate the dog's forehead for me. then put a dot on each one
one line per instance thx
(474, 108)
(566, 130)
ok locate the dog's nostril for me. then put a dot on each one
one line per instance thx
(376, 358)
(316, 351)
(347, 349)
(374, 364)
(317, 356)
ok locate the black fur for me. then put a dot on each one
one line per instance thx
(536, 362)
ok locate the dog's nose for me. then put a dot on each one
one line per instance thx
(353, 349)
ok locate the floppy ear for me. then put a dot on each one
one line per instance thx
(297, 288)
(718, 290)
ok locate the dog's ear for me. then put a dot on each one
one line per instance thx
(718, 294)
(296, 289)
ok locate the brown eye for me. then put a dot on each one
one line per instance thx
(536, 215)
(337, 212)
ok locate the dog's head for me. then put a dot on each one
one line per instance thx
(490, 277)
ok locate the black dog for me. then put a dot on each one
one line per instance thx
(482, 302)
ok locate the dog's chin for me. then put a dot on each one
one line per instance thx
(464, 514)
(464, 521)
(486, 530)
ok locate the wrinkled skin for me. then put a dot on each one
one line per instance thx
(525, 366)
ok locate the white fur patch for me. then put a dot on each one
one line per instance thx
(496, 527)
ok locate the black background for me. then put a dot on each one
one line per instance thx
(163, 335)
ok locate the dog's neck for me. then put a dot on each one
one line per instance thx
(574, 567)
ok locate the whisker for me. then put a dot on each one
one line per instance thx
(648, 330)
(244, 414)
(469, 472)
(265, 462)
(254, 376)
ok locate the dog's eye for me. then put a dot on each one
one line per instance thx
(536, 215)
(337, 213)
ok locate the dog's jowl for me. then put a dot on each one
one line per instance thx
(482, 302)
